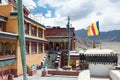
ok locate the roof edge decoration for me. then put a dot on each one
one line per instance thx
(100, 51)
(99, 56)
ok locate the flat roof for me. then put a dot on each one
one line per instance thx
(100, 51)
(74, 53)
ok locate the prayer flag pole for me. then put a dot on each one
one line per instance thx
(68, 29)
(21, 37)
(100, 42)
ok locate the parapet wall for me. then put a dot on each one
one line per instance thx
(84, 75)
(114, 74)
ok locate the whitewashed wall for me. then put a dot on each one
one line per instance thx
(119, 59)
(99, 69)
(115, 74)
(84, 75)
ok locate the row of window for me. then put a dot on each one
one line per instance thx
(57, 45)
(8, 48)
(33, 30)
(34, 46)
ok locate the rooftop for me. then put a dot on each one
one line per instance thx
(74, 53)
(99, 51)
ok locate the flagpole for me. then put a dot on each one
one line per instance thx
(93, 30)
(99, 41)
(94, 44)
(68, 29)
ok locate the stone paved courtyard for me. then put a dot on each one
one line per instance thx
(55, 77)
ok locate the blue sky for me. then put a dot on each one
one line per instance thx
(43, 10)
(81, 12)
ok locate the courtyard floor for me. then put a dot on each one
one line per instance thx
(55, 77)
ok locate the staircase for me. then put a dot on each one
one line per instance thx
(49, 61)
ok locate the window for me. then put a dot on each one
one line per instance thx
(40, 33)
(34, 47)
(33, 31)
(27, 47)
(2, 26)
(40, 48)
(26, 28)
(1, 48)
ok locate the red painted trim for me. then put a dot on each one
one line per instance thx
(74, 58)
(68, 73)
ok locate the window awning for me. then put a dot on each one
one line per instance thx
(7, 62)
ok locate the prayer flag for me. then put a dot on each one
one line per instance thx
(93, 30)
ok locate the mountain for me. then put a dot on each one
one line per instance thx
(110, 36)
(83, 44)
